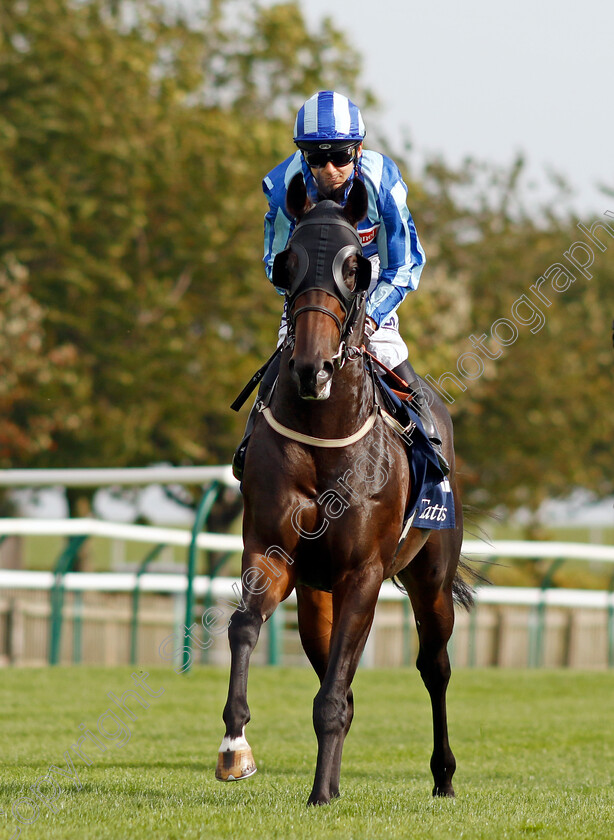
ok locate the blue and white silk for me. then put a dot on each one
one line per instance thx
(387, 231)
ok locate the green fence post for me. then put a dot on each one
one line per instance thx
(134, 624)
(276, 628)
(611, 626)
(56, 595)
(536, 645)
(77, 627)
(202, 512)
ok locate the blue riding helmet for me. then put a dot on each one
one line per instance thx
(328, 120)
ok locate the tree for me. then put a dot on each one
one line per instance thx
(133, 138)
(537, 420)
(27, 425)
(133, 141)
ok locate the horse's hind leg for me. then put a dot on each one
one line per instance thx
(235, 759)
(430, 589)
(315, 621)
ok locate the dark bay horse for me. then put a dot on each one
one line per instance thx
(325, 484)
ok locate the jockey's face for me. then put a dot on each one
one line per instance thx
(331, 179)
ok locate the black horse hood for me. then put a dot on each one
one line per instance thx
(322, 242)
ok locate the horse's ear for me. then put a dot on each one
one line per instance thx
(297, 202)
(357, 203)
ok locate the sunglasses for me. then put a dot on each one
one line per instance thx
(318, 159)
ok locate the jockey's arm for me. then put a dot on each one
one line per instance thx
(278, 226)
(401, 255)
(277, 229)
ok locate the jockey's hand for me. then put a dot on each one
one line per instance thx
(370, 327)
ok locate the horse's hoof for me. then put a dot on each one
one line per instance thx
(235, 760)
(233, 765)
(318, 799)
(446, 790)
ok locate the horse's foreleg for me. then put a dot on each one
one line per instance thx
(235, 758)
(333, 704)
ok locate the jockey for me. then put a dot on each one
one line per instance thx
(329, 133)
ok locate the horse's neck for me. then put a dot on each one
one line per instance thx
(349, 405)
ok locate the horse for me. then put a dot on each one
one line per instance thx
(301, 533)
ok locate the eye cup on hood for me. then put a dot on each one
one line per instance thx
(281, 272)
(363, 273)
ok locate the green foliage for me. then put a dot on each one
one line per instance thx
(132, 144)
(133, 139)
(537, 421)
(27, 367)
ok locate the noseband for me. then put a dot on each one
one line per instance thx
(312, 307)
(344, 353)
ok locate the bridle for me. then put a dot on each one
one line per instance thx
(320, 259)
(346, 329)
(312, 307)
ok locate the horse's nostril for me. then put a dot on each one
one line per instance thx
(325, 373)
(313, 378)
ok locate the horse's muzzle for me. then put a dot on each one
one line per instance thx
(314, 378)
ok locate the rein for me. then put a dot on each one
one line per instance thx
(402, 391)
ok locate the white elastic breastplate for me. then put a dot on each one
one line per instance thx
(325, 443)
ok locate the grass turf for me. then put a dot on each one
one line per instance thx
(535, 753)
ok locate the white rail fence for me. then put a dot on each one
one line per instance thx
(511, 625)
(110, 476)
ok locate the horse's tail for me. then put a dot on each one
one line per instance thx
(463, 591)
(463, 585)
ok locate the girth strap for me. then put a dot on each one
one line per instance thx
(324, 443)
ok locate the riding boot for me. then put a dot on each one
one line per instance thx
(264, 393)
(421, 407)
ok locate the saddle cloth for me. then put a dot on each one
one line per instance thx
(431, 503)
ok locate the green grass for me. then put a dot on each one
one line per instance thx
(41, 553)
(535, 753)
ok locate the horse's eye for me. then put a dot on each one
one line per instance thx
(350, 272)
(292, 266)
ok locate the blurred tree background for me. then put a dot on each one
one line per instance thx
(133, 303)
